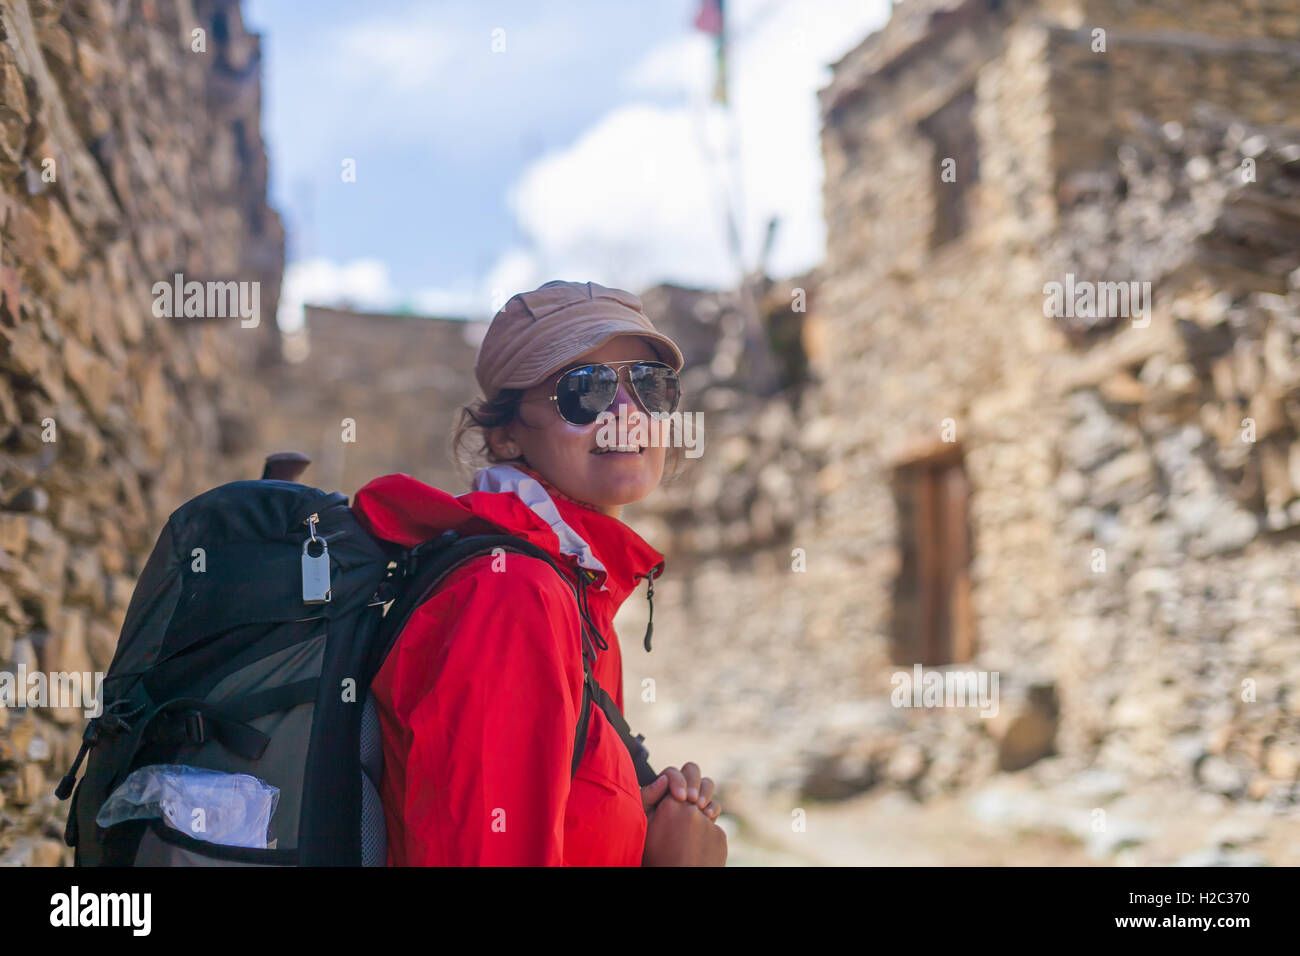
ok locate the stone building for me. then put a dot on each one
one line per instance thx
(368, 394)
(130, 151)
(1100, 506)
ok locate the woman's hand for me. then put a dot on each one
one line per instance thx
(681, 811)
(679, 833)
(685, 786)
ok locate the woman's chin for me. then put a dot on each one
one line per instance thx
(612, 491)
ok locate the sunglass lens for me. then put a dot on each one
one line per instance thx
(657, 387)
(583, 393)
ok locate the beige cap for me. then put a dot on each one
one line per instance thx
(537, 333)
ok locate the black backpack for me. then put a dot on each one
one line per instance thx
(251, 639)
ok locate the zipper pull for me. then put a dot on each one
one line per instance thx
(649, 597)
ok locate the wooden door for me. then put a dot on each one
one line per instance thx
(937, 625)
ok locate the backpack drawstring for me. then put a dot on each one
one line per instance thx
(113, 720)
(591, 635)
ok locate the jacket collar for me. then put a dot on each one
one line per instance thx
(407, 511)
(529, 488)
(616, 554)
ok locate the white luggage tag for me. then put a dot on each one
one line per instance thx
(315, 567)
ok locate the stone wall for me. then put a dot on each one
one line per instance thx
(399, 380)
(1160, 60)
(1074, 436)
(1181, 462)
(126, 156)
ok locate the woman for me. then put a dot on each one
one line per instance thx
(479, 699)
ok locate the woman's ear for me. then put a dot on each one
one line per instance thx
(502, 444)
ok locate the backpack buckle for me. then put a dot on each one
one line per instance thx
(91, 734)
(383, 594)
(411, 557)
(114, 717)
(194, 727)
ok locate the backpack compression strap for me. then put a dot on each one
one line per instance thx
(427, 564)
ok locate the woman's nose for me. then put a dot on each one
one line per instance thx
(626, 397)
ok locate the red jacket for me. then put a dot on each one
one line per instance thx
(479, 699)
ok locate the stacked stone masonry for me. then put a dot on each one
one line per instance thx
(1133, 544)
(130, 151)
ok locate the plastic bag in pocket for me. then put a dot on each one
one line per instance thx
(232, 809)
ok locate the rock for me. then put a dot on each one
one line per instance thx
(33, 851)
(38, 750)
(91, 374)
(1283, 762)
(13, 533)
(1097, 785)
(1118, 834)
(1123, 389)
(837, 776)
(1218, 857)
(32, 499)
(1124, 479)
(1231, 530)
(102, 644)
(906, 765)
(1031, 733)
(1234, 834)
(85, 578)
(30, 784)
(1220, 776)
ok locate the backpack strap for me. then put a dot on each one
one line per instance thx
(193, 722)
(428, 564)
(592, 691)
(645, 774)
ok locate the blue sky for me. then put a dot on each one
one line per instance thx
(583, 147)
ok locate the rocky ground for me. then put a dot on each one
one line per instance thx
(1038, 817)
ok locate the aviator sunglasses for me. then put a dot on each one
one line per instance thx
(582, 393)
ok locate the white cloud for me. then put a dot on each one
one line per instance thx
(779, 69)
(361, 284)
(365, 285)
(639, 197)
(518, 270)
(679, 66)
(625, 204)
(460, 301)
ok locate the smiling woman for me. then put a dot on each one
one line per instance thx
(571, 453)
(493, 752)
(618, 364)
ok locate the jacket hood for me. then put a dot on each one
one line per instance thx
(406, 511)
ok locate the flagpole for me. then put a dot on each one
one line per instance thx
(762, 367)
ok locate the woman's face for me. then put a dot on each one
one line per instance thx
(568, 456)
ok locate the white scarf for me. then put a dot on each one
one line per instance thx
(507, 478)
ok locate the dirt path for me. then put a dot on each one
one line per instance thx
(1014, 820)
